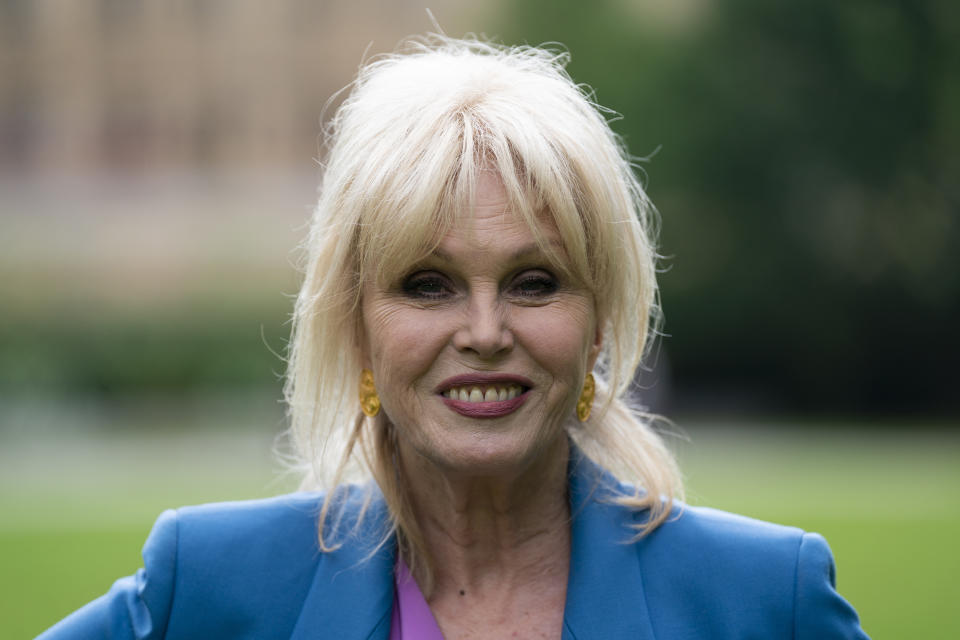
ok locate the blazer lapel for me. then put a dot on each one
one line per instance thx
(605, 596)
(352, 593)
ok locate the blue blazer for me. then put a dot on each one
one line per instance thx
(253, 570)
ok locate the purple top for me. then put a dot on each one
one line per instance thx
(412, 619)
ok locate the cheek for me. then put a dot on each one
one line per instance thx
(560, 338)
(401, 343)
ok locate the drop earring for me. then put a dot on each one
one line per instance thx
(585, 402)
(369, 400)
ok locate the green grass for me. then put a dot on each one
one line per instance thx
(48, 574)
(901, 575)
(74, 517)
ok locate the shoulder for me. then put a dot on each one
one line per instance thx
(716, 547)
(226, 561)
(287, 521)
(738, 568)
(228, 523)
(703, 551)
(203, 564)
(260, 557)
(276, 532)
(282, 524)
(224, 570)
(703, 530)
(702, 573)
(702, 544)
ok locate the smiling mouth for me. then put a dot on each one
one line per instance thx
(477, 393)
(481, 395)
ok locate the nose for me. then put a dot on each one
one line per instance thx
(484, 330)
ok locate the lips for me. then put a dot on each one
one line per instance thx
(484, 395)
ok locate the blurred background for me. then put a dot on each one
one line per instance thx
(159, 161)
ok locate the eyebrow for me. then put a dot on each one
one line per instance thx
(523, 252)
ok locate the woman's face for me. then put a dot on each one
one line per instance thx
(480, 351)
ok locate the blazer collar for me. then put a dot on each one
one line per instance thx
(353, 588)
(352, 592)
(605, 595)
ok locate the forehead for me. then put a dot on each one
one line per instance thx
(493, 224)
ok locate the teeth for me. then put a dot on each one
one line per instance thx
(488, 394)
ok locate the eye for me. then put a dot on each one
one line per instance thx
(534, 284)
(427, 285)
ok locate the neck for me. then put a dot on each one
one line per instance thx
(493, 534)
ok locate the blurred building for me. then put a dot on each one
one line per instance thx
(132, 84)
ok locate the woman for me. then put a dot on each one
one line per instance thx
(481, 262)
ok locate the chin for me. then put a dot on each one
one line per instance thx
(491, 454)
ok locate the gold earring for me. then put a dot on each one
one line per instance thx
(585, 402)
(369, 400)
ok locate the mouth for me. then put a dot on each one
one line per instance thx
(484, 395)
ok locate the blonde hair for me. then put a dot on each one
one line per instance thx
(406, 148)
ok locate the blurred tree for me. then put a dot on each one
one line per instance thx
(806, 177)
(194, 350)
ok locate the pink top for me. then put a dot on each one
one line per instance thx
(412, 619)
